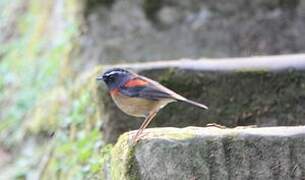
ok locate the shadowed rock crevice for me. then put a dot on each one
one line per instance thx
(93, 5)
(297, 161)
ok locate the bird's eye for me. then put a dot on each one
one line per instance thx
(111, 78)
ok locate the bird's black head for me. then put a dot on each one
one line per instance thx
(113, 78)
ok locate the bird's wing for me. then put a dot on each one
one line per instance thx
(171, 94)
(149, 89)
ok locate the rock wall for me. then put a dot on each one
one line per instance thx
(144, 30)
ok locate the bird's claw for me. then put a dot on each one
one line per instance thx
(216, 125)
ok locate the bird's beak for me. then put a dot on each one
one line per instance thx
(100, 77)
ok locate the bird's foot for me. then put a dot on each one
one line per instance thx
(137, 137)
(216, 125)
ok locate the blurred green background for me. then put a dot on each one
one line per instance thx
(49, 125)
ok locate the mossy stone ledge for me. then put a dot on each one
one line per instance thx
(211, 153)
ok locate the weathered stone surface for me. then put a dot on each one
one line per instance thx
(262, 91)
(212, 153)
(144, 30)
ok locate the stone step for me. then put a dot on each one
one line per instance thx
(262, 91)
(211, 153)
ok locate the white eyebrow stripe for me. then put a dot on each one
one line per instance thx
(112, 72)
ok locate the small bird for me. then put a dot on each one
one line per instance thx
(140, 96)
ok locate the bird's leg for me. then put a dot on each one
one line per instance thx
(146, 122)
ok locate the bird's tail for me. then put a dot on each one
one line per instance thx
(194, 103)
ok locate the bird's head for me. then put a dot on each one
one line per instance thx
(114, 78)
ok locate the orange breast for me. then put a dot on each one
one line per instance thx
(138, 107)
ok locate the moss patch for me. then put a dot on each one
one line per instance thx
(50, 110)
(123, 164)
(33, 63)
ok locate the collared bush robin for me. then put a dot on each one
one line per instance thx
(140, 96)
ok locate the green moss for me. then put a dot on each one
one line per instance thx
(33, 62)
(44, 119)
(45, 101)
(123, 163)
(77, 134)
(123, 160)
(82, 157)
(119, 155)
(186, 134)
(180, 136)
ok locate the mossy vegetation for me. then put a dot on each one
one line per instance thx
(123, 164)
(78, 151)
(49, 121)
(32, 62)
(212, 153)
